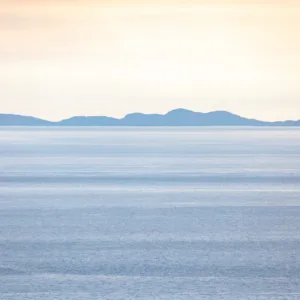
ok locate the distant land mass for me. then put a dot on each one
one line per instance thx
(176, 117)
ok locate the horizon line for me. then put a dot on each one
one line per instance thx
(141, 113)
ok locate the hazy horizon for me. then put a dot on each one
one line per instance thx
(65, 58)
(143, 113)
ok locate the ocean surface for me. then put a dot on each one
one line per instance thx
(150, 213)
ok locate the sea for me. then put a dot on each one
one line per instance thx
(152, 213)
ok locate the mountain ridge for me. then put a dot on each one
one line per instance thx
(175, 117)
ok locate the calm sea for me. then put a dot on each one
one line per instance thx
(150, 213)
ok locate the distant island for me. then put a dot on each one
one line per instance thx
(176, 117)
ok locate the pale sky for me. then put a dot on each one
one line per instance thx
(64, 58)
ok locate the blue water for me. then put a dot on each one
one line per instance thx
(150, 213)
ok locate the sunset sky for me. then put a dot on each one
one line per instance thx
(60, 58)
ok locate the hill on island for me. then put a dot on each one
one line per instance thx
(177, 117)
(18, 120)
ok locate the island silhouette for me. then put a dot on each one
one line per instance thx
(176, 117)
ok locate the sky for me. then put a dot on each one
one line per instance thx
(60, 58)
